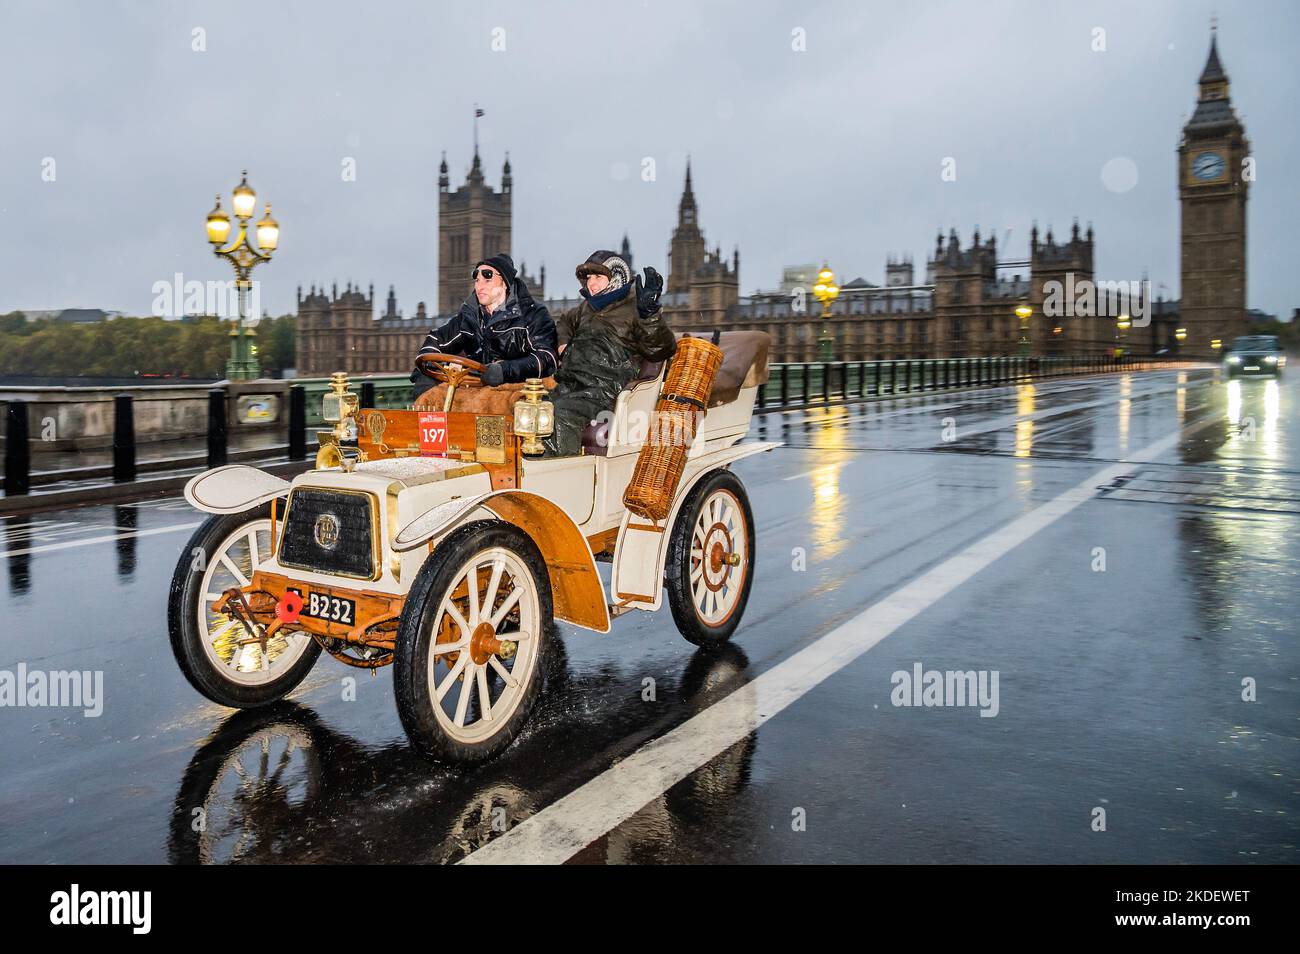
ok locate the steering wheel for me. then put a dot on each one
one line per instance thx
(451, 369)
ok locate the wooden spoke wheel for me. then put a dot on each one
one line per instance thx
(470, 642)
(217, 654)
(710, 562)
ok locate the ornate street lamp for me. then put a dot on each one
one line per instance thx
(243, 256)
(826, 291)
(1024, 313)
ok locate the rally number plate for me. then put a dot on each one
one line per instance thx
(433, 433)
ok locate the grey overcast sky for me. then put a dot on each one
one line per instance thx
(833, 153)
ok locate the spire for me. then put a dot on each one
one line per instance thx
(687, 212)
(506, 179)
(1213, 72)
(442, 173)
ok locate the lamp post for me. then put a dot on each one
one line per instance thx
(1024, 312)
(1180, 335)
(243, 256)
(826, 291)
(1122, 325)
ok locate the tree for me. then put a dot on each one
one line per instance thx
(123, 347)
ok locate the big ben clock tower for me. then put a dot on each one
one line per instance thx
(1213, 181)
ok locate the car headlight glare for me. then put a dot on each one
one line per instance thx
(1234, 359)
(1271, 358)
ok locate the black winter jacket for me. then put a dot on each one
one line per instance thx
(520, 334)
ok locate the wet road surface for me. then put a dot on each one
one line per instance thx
(1119, 552)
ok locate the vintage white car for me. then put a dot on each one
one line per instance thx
(433, 540)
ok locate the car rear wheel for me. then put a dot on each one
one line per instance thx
(471, 643)
(216, 653)
(710, 563)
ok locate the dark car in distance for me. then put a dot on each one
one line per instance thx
(1255, 354)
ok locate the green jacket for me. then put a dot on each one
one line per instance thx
(649, 337)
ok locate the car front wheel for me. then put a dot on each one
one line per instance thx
(471, 643)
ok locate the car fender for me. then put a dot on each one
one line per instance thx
(577, 594)
(638, 569)
(233, 488)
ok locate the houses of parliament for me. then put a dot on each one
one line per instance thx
(964, 304)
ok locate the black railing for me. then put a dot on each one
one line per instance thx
(124, 466)
(813, 382)
(797, 384)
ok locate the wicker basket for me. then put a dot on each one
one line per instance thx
(683, 401)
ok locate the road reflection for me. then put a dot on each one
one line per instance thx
(279, 784)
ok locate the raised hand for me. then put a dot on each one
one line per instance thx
(648, 292)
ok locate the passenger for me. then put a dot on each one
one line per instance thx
(500, 326)
(608, 335)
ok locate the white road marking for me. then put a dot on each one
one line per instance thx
(107, 539)
(565, 827)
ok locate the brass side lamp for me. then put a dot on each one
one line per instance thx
(534, 416)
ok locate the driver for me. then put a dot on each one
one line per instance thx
(499, 326)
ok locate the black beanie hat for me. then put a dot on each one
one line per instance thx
(503, 264)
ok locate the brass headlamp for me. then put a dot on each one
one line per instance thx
(534, 417)
(338, 407)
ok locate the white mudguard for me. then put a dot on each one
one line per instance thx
(638, 571)
(233, 488)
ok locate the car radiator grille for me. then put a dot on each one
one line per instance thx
(329, 532)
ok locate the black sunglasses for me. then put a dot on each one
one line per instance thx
(487, 274)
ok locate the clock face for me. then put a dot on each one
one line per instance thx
(1208, 165)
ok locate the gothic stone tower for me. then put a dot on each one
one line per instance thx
(1212, 193)
(1067, 264)
(473, 224)
(686, 253)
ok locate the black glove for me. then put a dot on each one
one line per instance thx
(494, 374)
(648, 292)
